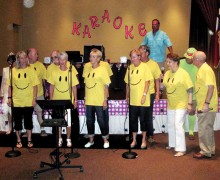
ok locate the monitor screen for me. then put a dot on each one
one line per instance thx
(88, 48)
(74, 56)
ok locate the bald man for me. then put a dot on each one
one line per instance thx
(40, 69)
(207, 105)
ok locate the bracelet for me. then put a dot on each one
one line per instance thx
(9, 97)
(207, 102)
(144, 94)
(190, 104)
(106, 99)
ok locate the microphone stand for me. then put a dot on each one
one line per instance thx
(129, 154)
(72, 154)
(13, 152)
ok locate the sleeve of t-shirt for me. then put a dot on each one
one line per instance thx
(126, 77)
(109, 69)
(157, 72)
(105, 77)
(187, 80)
(51, 79)
(74, 79)
(86, 66)
(148, 74)
(44, 72)
(210, 80)
(35, 79)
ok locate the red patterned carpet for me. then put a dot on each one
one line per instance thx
(154, 163)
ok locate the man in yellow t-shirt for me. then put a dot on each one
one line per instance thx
(207, 105)
(40, 69)
(154, 89)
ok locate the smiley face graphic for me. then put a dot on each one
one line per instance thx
(22, 81)
(170, 89)
(134, 76)
(90, 83)
(63, 86)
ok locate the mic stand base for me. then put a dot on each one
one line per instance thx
(11, 154)
(72, 155)
(129, 155)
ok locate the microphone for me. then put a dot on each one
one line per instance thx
(70, 68)
(162, 70)
(200, 111)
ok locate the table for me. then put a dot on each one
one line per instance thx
(118, 118)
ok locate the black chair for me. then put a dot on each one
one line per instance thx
(59, 121)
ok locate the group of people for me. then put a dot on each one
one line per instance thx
(190, 87)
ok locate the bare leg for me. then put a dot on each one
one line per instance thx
(144, 142)
(18, 135)
(68, 132)
(29, 134)
(105, 140)
(91, 139)
(9, 124)
(134, 142)
(60, 133)
(60, 137)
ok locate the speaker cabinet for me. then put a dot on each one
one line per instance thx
(88, 48)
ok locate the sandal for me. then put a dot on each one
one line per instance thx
(30, 144)
(19, 145)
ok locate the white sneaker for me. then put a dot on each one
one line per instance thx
(89, 144)
(69, 143)
(60, 142)
(106, 145)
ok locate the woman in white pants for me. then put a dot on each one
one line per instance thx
(179, 89)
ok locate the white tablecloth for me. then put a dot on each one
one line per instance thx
(118, 119)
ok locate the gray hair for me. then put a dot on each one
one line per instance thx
(63, 55)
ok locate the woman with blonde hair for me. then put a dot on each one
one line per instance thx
(22, 93)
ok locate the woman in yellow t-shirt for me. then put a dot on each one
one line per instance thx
(96, 94)
(60, 82)
(24, 93)
(179, 89)
(138, 95)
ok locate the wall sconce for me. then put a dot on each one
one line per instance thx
(28, 3)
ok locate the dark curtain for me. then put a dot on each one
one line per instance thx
(198, 29)
(209, 9)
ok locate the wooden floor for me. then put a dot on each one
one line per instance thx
(154, 163)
